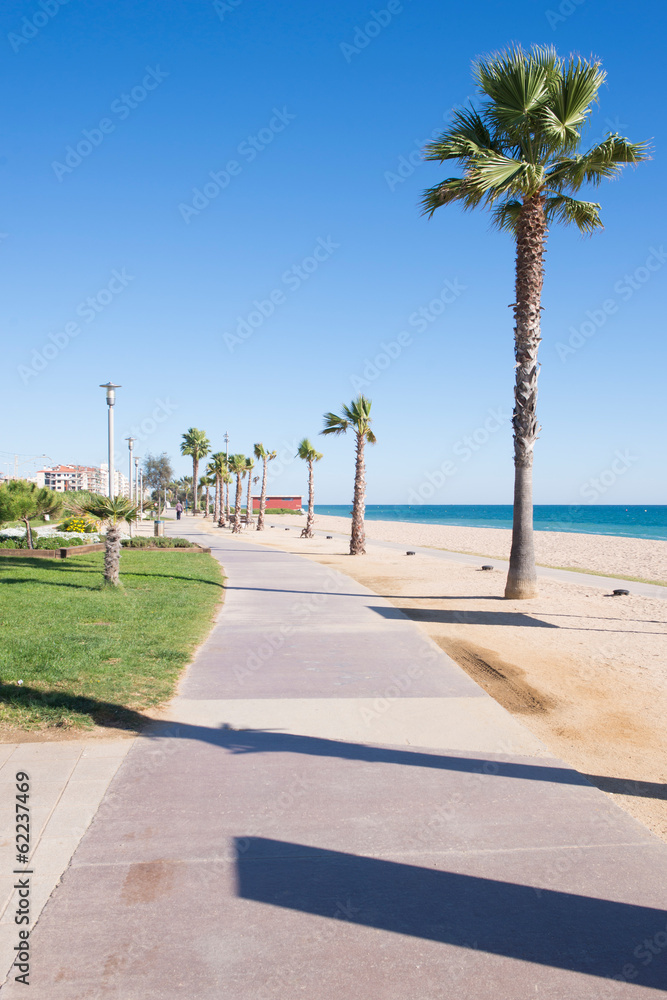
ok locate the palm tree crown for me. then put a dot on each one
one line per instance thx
(356, 416)
(524, 140)
(307, 452)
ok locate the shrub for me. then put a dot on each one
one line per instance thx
(60, 543)
(9, 543)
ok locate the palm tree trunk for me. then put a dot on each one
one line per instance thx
(208, 499)
(227, 513)
(310, 520)
(195, 484)
(248, 505)
(223, 515)
(237, 507)
(112, 556)
(531, 239)
(358, 535)
(28, 532)
(262, 499)
(218, 502)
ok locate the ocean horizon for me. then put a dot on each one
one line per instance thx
(626, 521)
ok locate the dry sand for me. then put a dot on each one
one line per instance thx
(587, 673)
(638, 558)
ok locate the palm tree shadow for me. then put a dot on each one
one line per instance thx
(562, 930)
(451, 617)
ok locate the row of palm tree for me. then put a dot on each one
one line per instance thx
(223, 469)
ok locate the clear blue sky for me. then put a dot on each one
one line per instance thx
(313, 136)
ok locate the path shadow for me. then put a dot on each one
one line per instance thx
(563, 930)
(264, 741)
(452, 617)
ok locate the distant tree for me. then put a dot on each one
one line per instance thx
(24, 501)
(158, 474)
(237, 465)
(356, 416)
(307, 452)
(266, 457)
(113, 513)
(197, 445)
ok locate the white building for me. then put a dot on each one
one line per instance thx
(64, 478)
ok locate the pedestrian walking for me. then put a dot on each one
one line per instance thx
(179, 510)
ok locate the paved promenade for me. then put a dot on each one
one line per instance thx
(335, 810)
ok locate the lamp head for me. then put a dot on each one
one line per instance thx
(111, 392)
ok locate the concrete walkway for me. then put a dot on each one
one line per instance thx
(337, 810)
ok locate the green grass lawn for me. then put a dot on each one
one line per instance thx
(88, 655)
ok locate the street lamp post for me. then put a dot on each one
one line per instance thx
(130, 445)
(111, 401)
(136, 479)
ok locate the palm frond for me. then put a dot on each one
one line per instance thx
(107, 509)
(506, 215)
(333, 424)
(605, 160)
(585, 215)
(467, 136)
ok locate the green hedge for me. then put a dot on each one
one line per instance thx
(141, 542)
(44, 543)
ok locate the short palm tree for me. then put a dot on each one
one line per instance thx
(355, 417)
(197, 445)
(266, 457)
(217, 468)
(520, 158)
(307, 452)
(113, 513)
(238, 467)
(21, 500)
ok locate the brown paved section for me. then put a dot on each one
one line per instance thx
(276, 863)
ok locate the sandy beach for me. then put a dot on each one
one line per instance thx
(585, 672)
(630, 558)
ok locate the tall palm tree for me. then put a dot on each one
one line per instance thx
(266, 457)
(520, 157)
(237, 466)
(217, 468)
(112, 513)
(197, 445)
(356, 416)
(250, 465)
(307, 452)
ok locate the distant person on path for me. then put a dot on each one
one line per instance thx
(179, 510)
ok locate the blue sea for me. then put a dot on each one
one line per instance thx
(630, 522)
